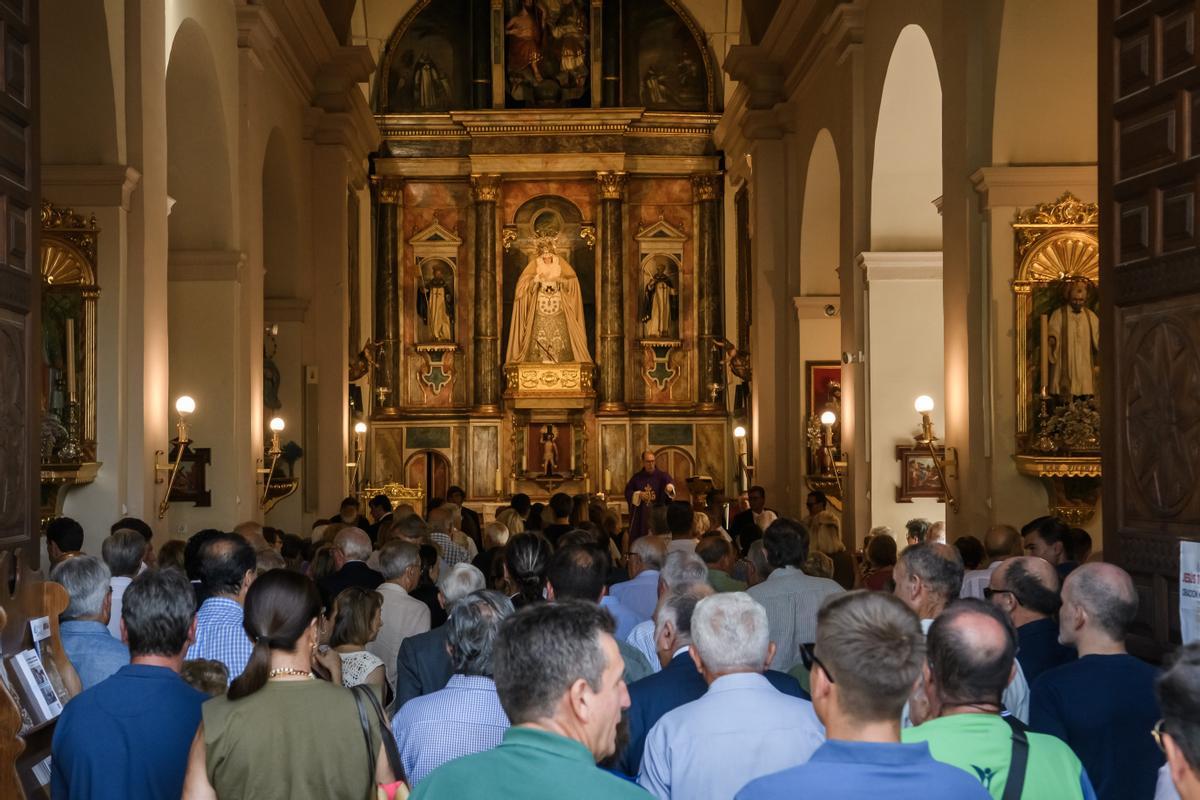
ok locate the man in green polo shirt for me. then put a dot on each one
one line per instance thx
(558, 673)
(970, 651)
(719, 557)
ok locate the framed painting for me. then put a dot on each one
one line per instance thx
(919, 475)
(191, 483)
(823, 392)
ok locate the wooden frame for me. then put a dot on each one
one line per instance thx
(819, 380)
(191, 485)
(919, 477)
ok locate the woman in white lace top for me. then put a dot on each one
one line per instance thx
(357, 618)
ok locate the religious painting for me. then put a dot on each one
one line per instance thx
(658, 306)
(919, 474)
(428, 67)
(549, 450)
(664, 65)
(549, 286)
(546, 53)
(435, 300)
(823, 383)
(191, 485)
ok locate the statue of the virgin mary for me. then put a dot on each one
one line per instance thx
(547, 318)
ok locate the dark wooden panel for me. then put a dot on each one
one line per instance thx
(1135, 64)
(1148, 141)
(1135, 229)
(1179, 217)
(1177, 48)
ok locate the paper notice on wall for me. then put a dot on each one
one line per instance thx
(1189, 591)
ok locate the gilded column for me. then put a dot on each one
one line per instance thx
(485, 191)
(706, 192)
(389, 204)
(612, 291)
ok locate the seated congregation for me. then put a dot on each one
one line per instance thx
(544, 655)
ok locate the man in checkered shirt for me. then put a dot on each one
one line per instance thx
(226, 571)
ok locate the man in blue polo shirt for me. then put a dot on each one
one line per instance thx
(129, 735)
(869, 652)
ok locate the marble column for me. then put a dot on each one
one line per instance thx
(706, 191)
(389, 199)
(612, 291)
(485, 191)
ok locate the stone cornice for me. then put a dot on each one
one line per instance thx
(901, 266)
(284, 309)
(205, 265)
(89, 185)
(817, 306)
(1004, 186)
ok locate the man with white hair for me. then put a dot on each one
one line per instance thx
(640, 592)
(401, 616)
(351, 549)
(92, 650)
(687, 751)
(454, 545)
(423, 664)
(679, 571)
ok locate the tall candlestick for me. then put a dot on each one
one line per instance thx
(70, 359)
(1044, 373)
(607, 481)
(499, 484)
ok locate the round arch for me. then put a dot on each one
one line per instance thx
(821, 219)
(198, 155)
(906, 173)
(76, 84)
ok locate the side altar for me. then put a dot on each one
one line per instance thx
(548, 253)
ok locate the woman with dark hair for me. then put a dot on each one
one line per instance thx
(257, 741)
(357, 618)
(536, 520)
(427, 590)
(526, 559)
(322, 564)
(579, 510)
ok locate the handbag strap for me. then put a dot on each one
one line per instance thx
(1019, 761)
(385, 731)
(365, 726)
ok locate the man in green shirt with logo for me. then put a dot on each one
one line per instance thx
(558, 673)
(719, 557)
(970, 649)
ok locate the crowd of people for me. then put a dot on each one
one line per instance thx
(543, 654)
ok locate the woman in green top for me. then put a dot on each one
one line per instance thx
(280, 733)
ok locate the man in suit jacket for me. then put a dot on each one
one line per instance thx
(679, 682)
(472, 525)
(423, 664)
(380, 510)
(352, 548)
(749, 525)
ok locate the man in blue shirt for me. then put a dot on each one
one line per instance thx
(1026, 590)
(227, 564)
(93, 651)
(1102, 705)
(868, 654)
(465, 717)
(129, 736)
(640, 592)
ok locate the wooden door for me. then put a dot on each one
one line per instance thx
(1150, 271)
(680, 466)
(20, 336)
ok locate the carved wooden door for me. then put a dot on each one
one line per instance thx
(1150, 271)
(20, 329)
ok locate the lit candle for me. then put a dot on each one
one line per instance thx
(499, 483)
(1044, 373)
(70, 359)
(607, 481)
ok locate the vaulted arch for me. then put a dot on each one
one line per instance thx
(820, 222)
(77, 84)
(282, 257)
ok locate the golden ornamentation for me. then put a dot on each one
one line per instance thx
(1068, 211)
(508, 237)
(587, 232)
(612, 184)
(557, 378)
(1075, 504)
(389, 191)
(485, 188)
(398, 493)
(707, 186)
(74, 233)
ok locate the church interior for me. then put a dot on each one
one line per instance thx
(292, 251)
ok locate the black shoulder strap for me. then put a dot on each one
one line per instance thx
(1019, 761)
(365, 725)
(391, 752)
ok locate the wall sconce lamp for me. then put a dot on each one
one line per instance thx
(828, 419)
(745, 468)
(184, 407)
(948, 461)
(273, 452)
(355, 466)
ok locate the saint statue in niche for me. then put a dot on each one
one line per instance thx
(549, 450)
(431, 90)
(547, 319)
(658, 303)
(435, 306)
(1072, 343)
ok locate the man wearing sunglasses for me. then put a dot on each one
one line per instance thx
(1178, 732)
(869, 652)
(1026, 590)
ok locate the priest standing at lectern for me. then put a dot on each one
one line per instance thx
(547, 319)
(648, 488)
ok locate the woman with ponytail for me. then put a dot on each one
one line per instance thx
(281, 731)
(526, 559)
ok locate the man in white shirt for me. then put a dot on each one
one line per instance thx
(402, 616)
(999, 543)
(743, 727)
(123, 552)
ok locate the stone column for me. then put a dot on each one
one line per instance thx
(612, 292)
(706, 191)
(485, 190)
(389, 200)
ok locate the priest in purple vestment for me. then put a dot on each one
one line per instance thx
(648, 488)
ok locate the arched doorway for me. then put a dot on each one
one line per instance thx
(428, 470)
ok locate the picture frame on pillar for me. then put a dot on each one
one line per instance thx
(919, 474)
(823, 392)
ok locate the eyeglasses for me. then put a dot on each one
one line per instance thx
(988, 592)
(808, 655)
(1157, 732)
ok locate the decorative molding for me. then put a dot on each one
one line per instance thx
(817, 306)
(708, 186)
(901, 265)
(1002, 186)
(90, 185)
(284, 309)
(612, 185)
(205, 265)
(485, 188)
(388, 190)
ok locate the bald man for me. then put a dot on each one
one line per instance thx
(352, 548)
(970, 657)
(999, 543)
(1026, 590)
(1103, 704)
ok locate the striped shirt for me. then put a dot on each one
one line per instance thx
(220, 635)
(462, 719)
(792, 600)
